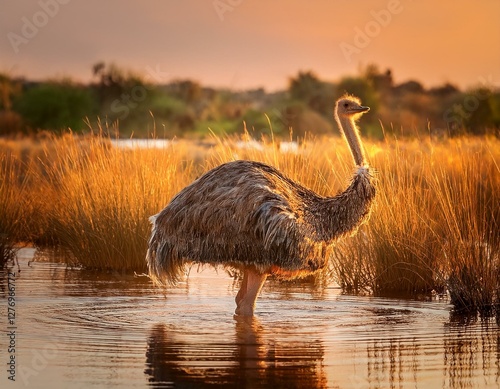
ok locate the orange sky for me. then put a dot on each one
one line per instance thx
(251, 43)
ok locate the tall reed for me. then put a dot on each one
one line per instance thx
(467, 193)
(20, 211)
(436, 224)
(12, 183)
(397, 252)
(103, 197)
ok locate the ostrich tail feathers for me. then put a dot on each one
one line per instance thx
(165, 268)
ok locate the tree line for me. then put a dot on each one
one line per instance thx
(127, 103)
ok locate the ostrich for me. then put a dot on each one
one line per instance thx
(250, 216)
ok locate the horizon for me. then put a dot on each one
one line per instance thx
(486, 82)
(482, 82)
(241, 45)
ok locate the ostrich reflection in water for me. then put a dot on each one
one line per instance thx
(245, 361)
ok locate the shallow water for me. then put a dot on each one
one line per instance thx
(83, 329)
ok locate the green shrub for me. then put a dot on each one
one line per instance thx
(56, 106)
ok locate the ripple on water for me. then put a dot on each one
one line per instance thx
(88, 329)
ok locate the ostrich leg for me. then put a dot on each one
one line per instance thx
(249, 290)
(243, 289)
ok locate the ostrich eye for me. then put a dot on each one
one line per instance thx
(346, 105)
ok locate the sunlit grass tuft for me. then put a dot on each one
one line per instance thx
(435, 227)
(396, 253)
(20, 211)
(103, 197)
(467, 193)
(11, 205)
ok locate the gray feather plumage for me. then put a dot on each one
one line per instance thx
(247, 213)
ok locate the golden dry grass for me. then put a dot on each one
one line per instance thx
(435, 225)
(11, 209)
(105, 195)
(467, 195)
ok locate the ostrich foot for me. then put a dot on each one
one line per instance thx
(249, 291)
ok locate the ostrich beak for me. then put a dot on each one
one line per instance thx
(359, 109)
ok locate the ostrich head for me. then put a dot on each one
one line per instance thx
(350, 107)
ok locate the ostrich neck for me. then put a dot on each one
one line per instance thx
(351, 134)
(342, 214)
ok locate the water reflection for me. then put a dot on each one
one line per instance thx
(368, 347)
(245, 361)
(115, 330)
(462, 356)
(392, 363)
(472, 354)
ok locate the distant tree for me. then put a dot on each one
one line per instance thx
(494, 101)
(381, 81)
(303, 120)
(479, 116)
(362, 88)
(10, 121)
(114, 82)
(316, 94)
(444, 91)
(56, 106)
(410, 86)
(9, 88)
(187, 90)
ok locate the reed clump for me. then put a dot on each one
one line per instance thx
(397, 251)
(467, 193)
(435, 227)
(25, 197)
(103, 196)
(12, 183)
